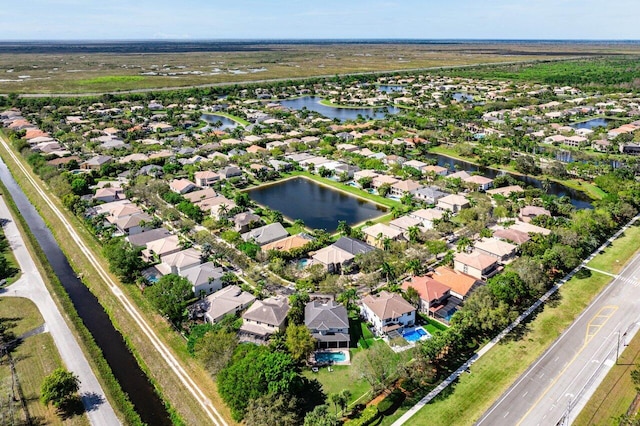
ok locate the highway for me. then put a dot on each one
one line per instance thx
(557, 386)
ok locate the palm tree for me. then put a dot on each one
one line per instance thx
(388, 271)
(414, 266)
(346, 395)
(344, 228)
(463, 243)
(386, 244)
(347, 297)
(414, 233)
(412, 296)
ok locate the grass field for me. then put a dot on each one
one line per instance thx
(34, 358)
(613, 258)
(339, 379)
(100, 72)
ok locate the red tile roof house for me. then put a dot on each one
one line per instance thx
(387, 312)
(433, 294)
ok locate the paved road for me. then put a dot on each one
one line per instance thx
(31, 286)
(558, 385)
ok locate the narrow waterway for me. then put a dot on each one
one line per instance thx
(123, 364)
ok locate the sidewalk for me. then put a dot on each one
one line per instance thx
(31, 286)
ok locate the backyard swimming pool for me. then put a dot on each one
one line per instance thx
(322, 357)
(415, 334)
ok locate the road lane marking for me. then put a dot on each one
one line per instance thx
(525, 394)
(605, 311)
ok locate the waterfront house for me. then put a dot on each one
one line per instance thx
(266, 234)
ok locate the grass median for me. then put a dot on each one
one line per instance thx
(169, 385)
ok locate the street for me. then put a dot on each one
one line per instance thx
(31, 286)
(556, 387)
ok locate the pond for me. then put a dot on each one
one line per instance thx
(320, 207)
(462, 97)
(579, 199)
(590, 124)
(227, 123)
(312, 103)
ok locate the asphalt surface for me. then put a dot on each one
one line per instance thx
(31, 286)
(557, 386)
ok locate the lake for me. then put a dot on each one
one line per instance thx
(590, 124)
(462, 97)
(227, 123)
(312, 103)
(318, 206)
(579, 199)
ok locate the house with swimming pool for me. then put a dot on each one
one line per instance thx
(328, 323)
(388, 313)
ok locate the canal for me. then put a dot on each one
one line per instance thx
(123, 364)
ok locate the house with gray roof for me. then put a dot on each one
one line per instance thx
(206, 278)
(328, 323)
(428, 194)
(264, 318)
(353, 245)
(266, 234)
(141, 239)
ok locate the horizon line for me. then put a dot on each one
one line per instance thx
(298, 39)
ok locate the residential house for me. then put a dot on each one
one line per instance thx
(428, 194)
(403, 223)
(141, 239)
(131, 224)
(402, 187)
(264, 318)
(527, 213)
(506, 191)
(266, 234)
(205, 278)
(380, 180)
(96, 162)
(453, 203)
(229, 172)
(481, 183)
(378, 233)
(243, 222)
(433, 294)
(388, 313)
(629, 148)
(328, 323)
(228, 301)
(516, 237)
(206, 178)
(427, 217)
(288, 243)
(438, 170)
(461, 284)
(182, 186)
(162, 247)
(478, 265)
(494, 247)
(177, 262)
(109, 194)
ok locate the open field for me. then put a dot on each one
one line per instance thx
(57, 70)
(34, 358)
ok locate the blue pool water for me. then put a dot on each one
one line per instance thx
(415, 335)
(330, 356)
(303, 263)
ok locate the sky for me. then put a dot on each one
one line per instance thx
(319, 19)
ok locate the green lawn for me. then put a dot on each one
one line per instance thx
(338, 379)
(347, 188)
(361, 336)
(613, 258)
(34, 358)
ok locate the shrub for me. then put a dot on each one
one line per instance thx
(367, 417)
